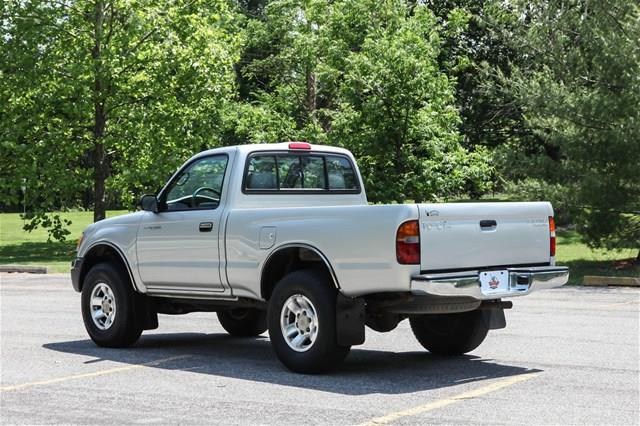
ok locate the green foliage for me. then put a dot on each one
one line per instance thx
(398, 113)
(103, 99)
(363, 75)
(475, 55)
(100, 100)
(562, 197)
(580, 92)
(55, 225)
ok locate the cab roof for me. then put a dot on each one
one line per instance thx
(293, 146)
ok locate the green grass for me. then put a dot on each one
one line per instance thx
(24, 248)
(19, 247)
(582, 260)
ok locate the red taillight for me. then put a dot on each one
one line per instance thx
(408, 243)
(552, 236)
(299, 145)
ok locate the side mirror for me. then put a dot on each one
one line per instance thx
(148, 203)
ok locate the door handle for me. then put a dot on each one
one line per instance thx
(205, 226)
(488, 225)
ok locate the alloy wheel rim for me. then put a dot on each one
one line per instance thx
(299, 323)
(103, 306)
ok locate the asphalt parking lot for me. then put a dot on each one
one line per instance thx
(567, 356)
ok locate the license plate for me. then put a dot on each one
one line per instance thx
(494, 282)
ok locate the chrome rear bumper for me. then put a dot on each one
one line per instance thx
(467, 283)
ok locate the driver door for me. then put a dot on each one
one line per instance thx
(178, 248)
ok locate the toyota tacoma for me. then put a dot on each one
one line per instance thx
(280, 237)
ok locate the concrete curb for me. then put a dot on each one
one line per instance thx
(24, 269)
(611, 281)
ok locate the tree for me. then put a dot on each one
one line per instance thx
(398, 113)
(363, 75)
(105, 97)
(580, 93)
(473, 54)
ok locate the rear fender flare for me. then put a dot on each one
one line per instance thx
(321, 255)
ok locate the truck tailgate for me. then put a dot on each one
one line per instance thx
(470, 235)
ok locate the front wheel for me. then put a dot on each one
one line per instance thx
(302, 323)
(243, 322)
(450, 334)
(108, 307)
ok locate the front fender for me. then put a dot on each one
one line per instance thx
(119, 233)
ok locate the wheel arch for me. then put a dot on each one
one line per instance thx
(104, 251)
(288, 258)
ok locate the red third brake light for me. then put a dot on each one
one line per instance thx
(299, 145)
(552, 236)
(408, 243)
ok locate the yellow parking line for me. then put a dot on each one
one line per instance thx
(94, 374)
(420, 409)
(628, 302)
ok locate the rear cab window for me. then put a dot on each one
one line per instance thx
(287, 172)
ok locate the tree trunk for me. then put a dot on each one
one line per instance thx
(311, 91)
(310, 80)
(397, 153)
(100, 170)
(99, 176)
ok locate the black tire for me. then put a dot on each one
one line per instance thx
(124, 329)
(324, 353)
(450, 334)
(243, 322)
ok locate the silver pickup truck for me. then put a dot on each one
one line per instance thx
(280, 237)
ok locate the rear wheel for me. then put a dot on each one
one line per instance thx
(108, 307)
(302, 323)
(243, 322)
(450, 334)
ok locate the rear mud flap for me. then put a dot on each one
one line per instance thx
(494, 318)
(145, 313)
(349, 321)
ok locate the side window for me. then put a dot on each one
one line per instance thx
(340, 173)
(198, 186)
(293, 172)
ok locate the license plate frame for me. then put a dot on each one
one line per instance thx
(496, 281)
